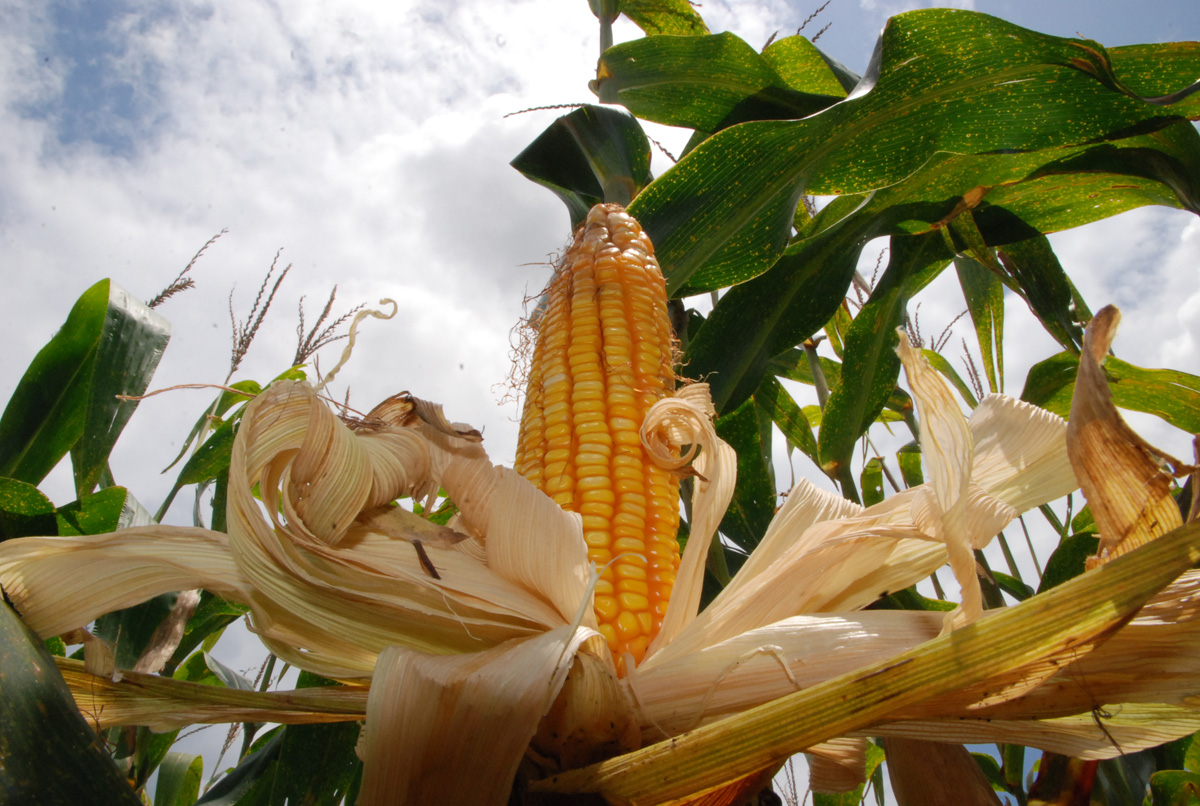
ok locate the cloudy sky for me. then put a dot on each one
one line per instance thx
(370, 141)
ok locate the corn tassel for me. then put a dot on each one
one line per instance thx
(602, 359)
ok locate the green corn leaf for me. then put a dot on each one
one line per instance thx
(1035, 268)
(1067, 561)
(1174, 788)
(794, 365)
(209, 463)
(46, 414)
(703, 82)
(95, 514)
(1172, 395)
(753, 504)
(131, 344)
(782, 409)
(211, 616)
(67, 400)
(1157, 70)
(594, 154)
(51, 756)
(759, 319)
(24, 510)
(179, 779)
(233, 786)
(874, 757)
(871, 482)
(909, 459)
(205, 421)
(316, 764)
(657, 17)
(789, 304)
(806, 68)
(129, 631)
(727, 207)
(939, 362)
(871, 366)
(984, 294)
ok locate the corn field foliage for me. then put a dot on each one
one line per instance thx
(966, 142)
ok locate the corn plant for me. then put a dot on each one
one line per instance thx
(551, 633)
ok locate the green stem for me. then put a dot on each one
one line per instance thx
(1008, 557)
(845, 479)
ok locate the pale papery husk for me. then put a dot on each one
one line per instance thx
(838, 765)
(332, 582)
(824, 556)
(1100, 734)
(673, 422)
(948, 452)
(1152, 660)
(327, 595)
(428, 740)
(110, 572)
(1080, 612)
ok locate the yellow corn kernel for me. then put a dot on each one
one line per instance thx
(601, 360)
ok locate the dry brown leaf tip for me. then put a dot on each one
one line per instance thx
(403, 410)
(1126, 481)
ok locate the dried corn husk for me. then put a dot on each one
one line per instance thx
(935, 774)
(339, 584)
(1126, 481)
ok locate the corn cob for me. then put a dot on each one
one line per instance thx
(602, 358)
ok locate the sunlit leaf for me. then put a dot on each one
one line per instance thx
(871, 482)
(24, 510)
(93, 514)
(1154, 70)
(1174, 788)
(703, 82)
(727, 207)
(806, 68)
(1172, 395)
(909, 459)
(655, 17)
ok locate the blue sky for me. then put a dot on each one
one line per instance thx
(369, 141)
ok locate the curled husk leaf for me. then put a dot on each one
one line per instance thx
(1126, 481)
